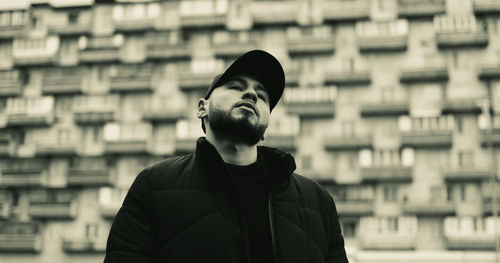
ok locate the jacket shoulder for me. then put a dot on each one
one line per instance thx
(167, 172)
(311, 193)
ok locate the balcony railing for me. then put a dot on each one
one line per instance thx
(359, 77)
(310, 41)
(13, 23)
(203, 13)
(63, 81)
(233, 49)
(469, 106)
(486, 6)
(459, 31)
(168, 52)
(164, 109)
(20, 237)
(22, 176)
(132, 78)
(385, 109)
(85, 176)
(77, 29)
(35, 52)
(283, 142)
(53, 211)
(95, 109)
(354, 207)
(491, 71)
(311, 102)
(430, 208)
(100, 49)
(460, 234)
(465, 174)
(127, 138)
(56, 149)
(192, 78)
(10, 83)
(274, 13)
(382, 36)
(348, 143)
(427, 139)
(421, 8)
(382, 174)
(84, 245)
(30, 111)
(388, 233)
(346, 10)
(424, 74)
(388, 242)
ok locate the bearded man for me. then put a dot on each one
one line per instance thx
(230, 201)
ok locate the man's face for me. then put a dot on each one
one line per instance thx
(239, 108)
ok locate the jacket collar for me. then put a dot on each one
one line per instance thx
(281, 165)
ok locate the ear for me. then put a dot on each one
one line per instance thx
(202, 108)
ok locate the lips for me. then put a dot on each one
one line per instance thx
(248, 105)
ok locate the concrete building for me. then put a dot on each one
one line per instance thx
(392, 105)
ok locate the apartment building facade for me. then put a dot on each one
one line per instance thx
(390, 104)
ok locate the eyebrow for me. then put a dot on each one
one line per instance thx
(241, 81)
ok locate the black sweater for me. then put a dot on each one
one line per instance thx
(254, 183)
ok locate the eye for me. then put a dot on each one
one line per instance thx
(235, 87)
(262, 97)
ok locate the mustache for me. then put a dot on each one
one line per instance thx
(247, 104)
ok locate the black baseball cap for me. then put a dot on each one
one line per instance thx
(261, 65)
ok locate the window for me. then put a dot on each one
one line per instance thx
(390, 193)
(465, 159)
(73, 18)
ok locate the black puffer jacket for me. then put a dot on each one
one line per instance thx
(187, 209)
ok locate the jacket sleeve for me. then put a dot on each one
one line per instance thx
(131, 236)
(336, 250)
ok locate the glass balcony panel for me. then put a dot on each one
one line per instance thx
(63, 81)
(10, 83)
(459, 31)
(30, 111)
(346, 10)
(33, 52)
(311, 102)
(274, 12)
(421, 8)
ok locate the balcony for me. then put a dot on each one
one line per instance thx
(460, 107)
(86, 176)
(95, 109)
(20, 237)
(458, 31)
(388, 242)
(486, 6)
(354, 207)
(306, 46)
(233, 49)
(131, 83)
(421, 8)
(384, 174)
(180, 51)
(385, 109)
(13, 23)
(35, 52)
(424, 74)
(126, 147)
(470, 233)
(100, 49)
(430, 208)
(127, 138)
(22, 177)
(196, 81)
(310, 102)
(268, 13)
(488, 205)
(165, 109)
(76, 29)
(56, 149)
(490, 138)
(30, 111)
(487, 72)
(282, 142)
(467, 174)
(84, 245)
(53, 210)
(344, 143)
(62, 81)
(10, 83)
(360, 77)
(427, 139)
(382, 36)
(203, 14)
(346, 10)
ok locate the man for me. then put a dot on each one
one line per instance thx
(229, 201)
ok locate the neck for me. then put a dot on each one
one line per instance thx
(232, 150)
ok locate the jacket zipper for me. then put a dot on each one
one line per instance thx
(271, 224)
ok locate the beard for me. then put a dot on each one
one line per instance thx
(224, 125)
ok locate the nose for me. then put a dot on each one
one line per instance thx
(250, 94)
